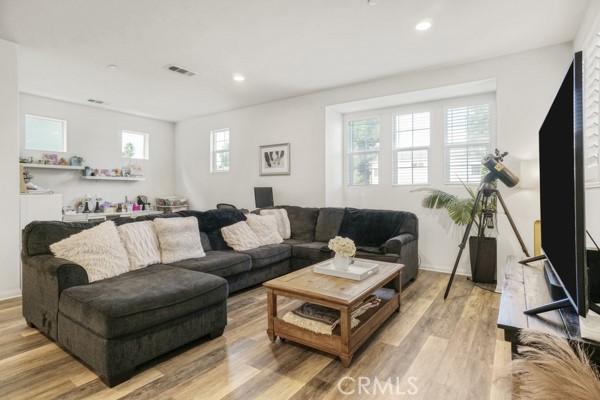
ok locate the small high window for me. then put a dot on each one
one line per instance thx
(45, 134)
(219, 150)
(134, 145)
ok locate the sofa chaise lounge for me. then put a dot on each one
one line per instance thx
(116, 324)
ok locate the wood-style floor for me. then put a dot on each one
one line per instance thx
(442, 349)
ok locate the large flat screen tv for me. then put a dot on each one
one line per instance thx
(562, 189)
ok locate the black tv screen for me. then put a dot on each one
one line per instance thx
(562, 187)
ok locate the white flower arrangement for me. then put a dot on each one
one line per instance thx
(342, 246)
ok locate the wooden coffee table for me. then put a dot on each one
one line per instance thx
(338, 293)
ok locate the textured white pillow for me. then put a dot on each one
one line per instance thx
(98, 250)
(283, 221)
(240, 237)
(179, 239)
(265, 227)
(141, 244)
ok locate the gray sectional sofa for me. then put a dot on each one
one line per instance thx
(115, 325)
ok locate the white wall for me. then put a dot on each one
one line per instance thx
(95, 135)
(10, 280)
(526, 83)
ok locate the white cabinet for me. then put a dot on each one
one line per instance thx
(40, 207)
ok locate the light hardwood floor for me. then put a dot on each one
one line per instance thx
(445, 349)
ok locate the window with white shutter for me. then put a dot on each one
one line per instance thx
(411, 148)
(467, 138)
(591, 104)
(363, 151)
(219, 150)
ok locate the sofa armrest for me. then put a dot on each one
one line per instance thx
(394, 245)
(44, 278)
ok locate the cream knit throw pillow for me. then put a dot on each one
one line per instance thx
(240, 237)
(98, 250)
(141, 243)
(265, 227)
(179, 239)
(283, 221)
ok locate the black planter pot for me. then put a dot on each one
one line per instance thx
(486, 268)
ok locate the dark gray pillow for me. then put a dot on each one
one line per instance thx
(328, 223)
(302, 222)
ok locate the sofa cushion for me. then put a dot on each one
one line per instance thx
(39, 235)
(140, 299)
(328, 223)
(212, 221)
(141, 243)
(98, 250)
(315, 251)
(302, 222)
(179, 239)
(221, 263)
(392, 258)
(375, 227)
(240, 236)
(266, 255)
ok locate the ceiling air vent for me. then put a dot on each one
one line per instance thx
(95, 101)
(180, 70)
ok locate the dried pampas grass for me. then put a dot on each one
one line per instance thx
(550, 369)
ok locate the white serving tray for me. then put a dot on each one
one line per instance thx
(357, 271)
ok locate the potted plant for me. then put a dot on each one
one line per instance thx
(459, 210)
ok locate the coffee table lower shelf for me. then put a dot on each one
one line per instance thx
(344, 344)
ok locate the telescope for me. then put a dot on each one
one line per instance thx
(497, 170)
(482, 205)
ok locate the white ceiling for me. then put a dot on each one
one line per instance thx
(284, 47)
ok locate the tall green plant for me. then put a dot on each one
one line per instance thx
(459, 209)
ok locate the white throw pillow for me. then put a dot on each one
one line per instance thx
(179, 239)
(283, 222)
(141, 244)
(240, 237)
(265, 227)
(98, 250)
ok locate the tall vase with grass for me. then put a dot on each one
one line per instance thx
(459, 210)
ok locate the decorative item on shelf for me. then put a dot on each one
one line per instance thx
(63, 162)
(136, 170)
(171, 204)
(344, 249)
(105, 172)
(50, 159)
(76, 161)
(26, 160)
(274, 159)
(87, 171)
(69, 210)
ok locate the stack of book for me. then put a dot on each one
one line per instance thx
(324, 320)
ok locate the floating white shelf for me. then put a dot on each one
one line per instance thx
(114, 178)
(50, 166)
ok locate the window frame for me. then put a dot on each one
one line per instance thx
(348, 153)
(213, 151)
(396, 149)
(467, 101)
(146, 152)
(43, 117)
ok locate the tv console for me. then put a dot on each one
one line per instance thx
(525, 287)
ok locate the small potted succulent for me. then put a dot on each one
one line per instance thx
(344, 249)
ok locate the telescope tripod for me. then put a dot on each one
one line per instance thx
(481, 204)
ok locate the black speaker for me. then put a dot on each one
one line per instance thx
(593, 265)
(263, 197)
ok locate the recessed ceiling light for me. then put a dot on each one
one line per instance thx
(424, 25)
(371, 2)
(239, 77)
(112, 67)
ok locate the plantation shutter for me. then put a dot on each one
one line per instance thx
(467, 140)
(591, 104)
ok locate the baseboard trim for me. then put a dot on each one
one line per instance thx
(443, 270)
(10, 294)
